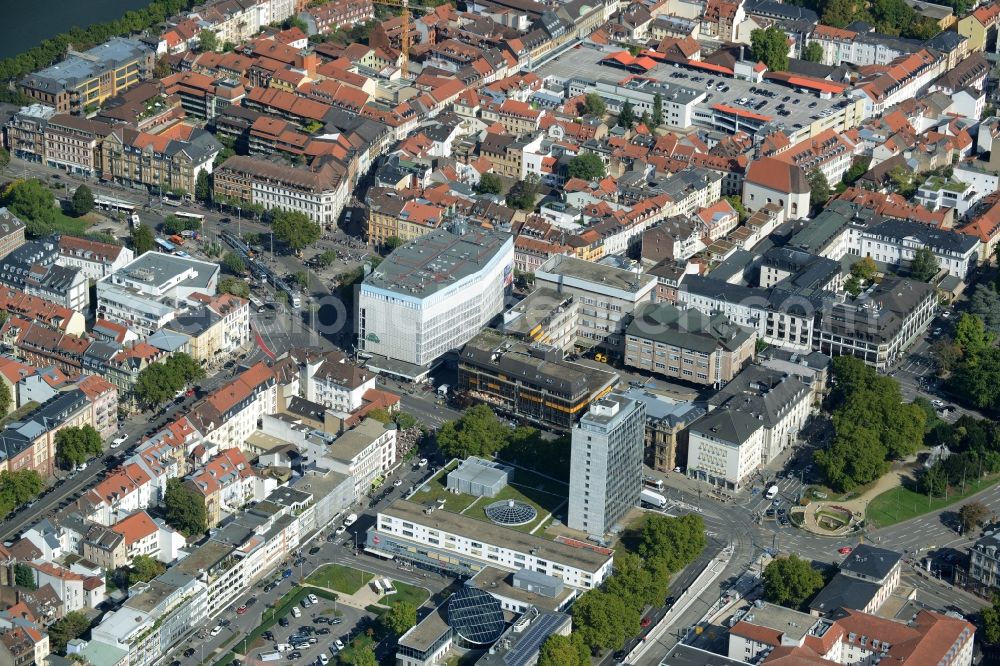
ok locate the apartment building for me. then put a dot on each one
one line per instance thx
(829, 152)
(529, 381)
(40, 311)
(211, 328)
(30, 443)
(335, 382)
(229, 415)
(544, 316)
(366, 453)
(74, 144)
(606, 296)
(151, 290)
(225, 483)
(11, 232)
(770, 180)
(321, 193)
(204, 96)
(461, 544)
(337, 14)
(82, 81)
(170, 160)
(32, 268)
(434, 294)
(140, 536)
(687, 344)
(93, 258)
(863, 582)
(851, 637)
(983, 574)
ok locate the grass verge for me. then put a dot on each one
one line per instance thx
(405, 593)
(901, 504)
(340, 578)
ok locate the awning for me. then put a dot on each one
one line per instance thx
(379, 553)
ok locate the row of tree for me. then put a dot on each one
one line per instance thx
(18, 488)
(50, 50)
(974, 361)
(184, 509)
(77, 444)
(480, 433)
(975, 450)
(791, 582)
(607, 617)
(159, 382)
(873, 425)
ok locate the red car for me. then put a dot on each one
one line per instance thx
(645, 622)
(241, 610)
(190, 393)
(846, 550)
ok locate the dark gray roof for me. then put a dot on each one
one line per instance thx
(779, 10)
(686, 328)
(870, 561)
(946, 41)
(942, 240)
(762, 393)
(728, 425)
(844, 592)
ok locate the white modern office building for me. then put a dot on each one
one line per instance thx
(434, 294)
(153, 289)
(605, 477)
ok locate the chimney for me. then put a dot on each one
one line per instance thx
(307, 63)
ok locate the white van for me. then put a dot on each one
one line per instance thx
(387, 587)
(771, 493)
(282, 647)
(377, 586)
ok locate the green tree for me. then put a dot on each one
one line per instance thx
(946, 354)
(991, 620)
(626, 117)
(770, 46)
(142, 239)
(326, 258)
(971, 335)
(478, 433)
(162, 68)
(393, 242)
(70, 626)
(234, 286)
(295, 229)
(83, 201)
(233, 263)
(675, 541)
(973, 515)
(359, 653)
(790, 581)
(603, 620)
(24, 576)
(184, 509)
(405, 420)
(903, 181)
(400, 618)
(77, 444)
(490, 183)
(865, 269)
(593, 104)
(737, 203)
(840, 13)
(560, 650)
(185, 368)
(6, 401)
(858, 168)
(819, 188)
(587, 166)
(977, 379)
(924, 265)
(208, 40)
(4, 158)
(635, 583)
(144, 568)
(852, 285)
(17, 488)
(522, 195)
(813, 52)
(985, 303)
(34, 203)
(203, 187)
(657, 109)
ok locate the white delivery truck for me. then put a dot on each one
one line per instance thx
(268, 656)
(771, 493)
(653, 499)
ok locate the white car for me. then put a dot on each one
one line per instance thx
(422, 463)
(340, 530)
(397, 483)
(216, 630)
(323, 659)
(313, 599)
(82, 466)
(118, 441)
(338, 645)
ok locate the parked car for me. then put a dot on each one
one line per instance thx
(242, 609)
(216, 630)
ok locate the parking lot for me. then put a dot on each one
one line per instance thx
(315, 632)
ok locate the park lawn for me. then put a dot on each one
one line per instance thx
(75, 226)
(405, 592)
(901, 504)
(340, 578)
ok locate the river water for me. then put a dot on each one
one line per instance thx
(24, 24)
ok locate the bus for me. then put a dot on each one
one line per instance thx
(112, 205)
(165, 245)
(171, 202)
(653, 484)
(189, 216)
(256, 304)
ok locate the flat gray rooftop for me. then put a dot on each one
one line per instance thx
(580, 558)
(427, 632)
(581, 63)
(435, 261)
(602, 276)
(533, 309)
(792, 623)
(156, 268)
